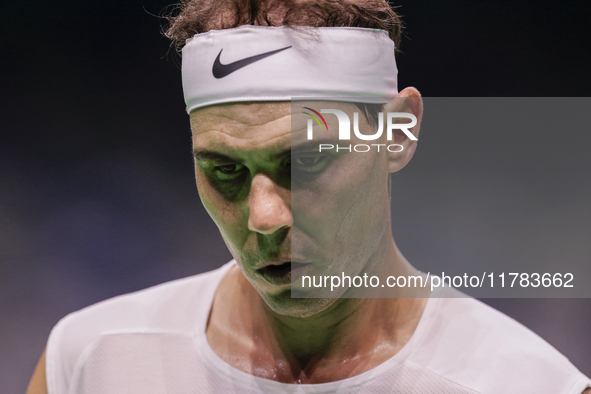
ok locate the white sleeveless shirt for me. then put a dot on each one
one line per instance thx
(153, 341)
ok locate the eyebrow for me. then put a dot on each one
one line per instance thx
(205, 155)
(313, 145)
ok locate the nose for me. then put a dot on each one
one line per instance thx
(269, 206)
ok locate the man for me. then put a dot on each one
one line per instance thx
(287, 210)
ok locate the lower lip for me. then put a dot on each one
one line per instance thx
(283, 274)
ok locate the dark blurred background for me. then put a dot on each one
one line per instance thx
(97, 196)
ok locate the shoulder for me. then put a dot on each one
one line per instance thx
(469, 342)
(163, 306)
(177, 307)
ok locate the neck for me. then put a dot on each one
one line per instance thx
(349, 337)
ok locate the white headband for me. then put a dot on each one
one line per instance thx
(259, 63)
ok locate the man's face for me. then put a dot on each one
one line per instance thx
(277, 200)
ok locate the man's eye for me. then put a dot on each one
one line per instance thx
(229, 171)
(310, 163)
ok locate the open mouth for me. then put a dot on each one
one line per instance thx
(284, 273)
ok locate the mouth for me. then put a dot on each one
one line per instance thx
(283, 274)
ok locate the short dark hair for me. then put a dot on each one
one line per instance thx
(199, 16)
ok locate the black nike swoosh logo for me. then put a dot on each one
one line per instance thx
(220, 70)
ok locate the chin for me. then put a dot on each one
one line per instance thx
(283, 304)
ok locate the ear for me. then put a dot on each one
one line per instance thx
(408, 100)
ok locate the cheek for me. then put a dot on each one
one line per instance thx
(355, 184)
(343, 216)
(365, 204)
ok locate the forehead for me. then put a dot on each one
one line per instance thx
(255, 125)
(242, 125)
